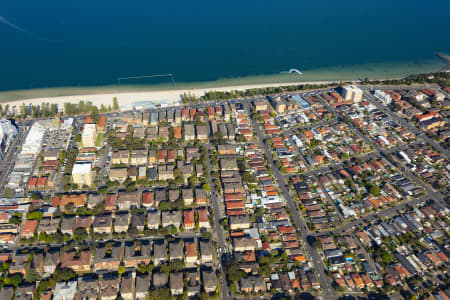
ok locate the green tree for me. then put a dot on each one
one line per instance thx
(121, 270)
(171, 229)
(163, 293)
(387, 257)
(115, 104)
(374, 189)
(80, 235)
(94, 114)
(63, 274)
(164, 205)
(144, 269)
(206, 235)
(53, 110)
(31, 276)
(7, 192)
(77, 138)
(13, 280)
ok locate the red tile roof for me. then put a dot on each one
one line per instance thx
(188, 217)
(147, 197)
(29, 227)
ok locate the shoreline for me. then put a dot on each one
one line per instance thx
(171, 94)
(127, 99)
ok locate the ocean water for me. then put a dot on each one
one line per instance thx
(57, 43)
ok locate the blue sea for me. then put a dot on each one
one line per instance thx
(54, 43)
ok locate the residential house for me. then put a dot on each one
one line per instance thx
(175, 251)
(176, 283)
(120, 157)
(189, 220)
(206, 251)
(83, 222)
(109, 287)
(160, 280)
(102, 224)
(209, 281)
(226, 149)
(7, 293)
(188, 196)
(200, 197)
(242, 244)
(252, 284)
(132, 173)
(139, 157)
(177, 132)
(153, 219)
(108, 256)
(142, 286)
(159, 252)
(121, 222)
(191, 255)
(228, 164)
(165, 172)
(48, 225)
(118, 174)
(67, 225)
(203, 218)
(87, 288)
(189, 132)
(239, 222)
(171, 218)
(77, 200)
(127, 286)
(94, 200)
(193, 285)
(24, 292)
(260, 105)
(37, 262)
(147, 199)
(160, 195)
(137, 252)
(128, 200)
(138, 221)
(111, 201)
(202, 132)
(51, 260)
(79, 261)
(66, 290)
(19, 263)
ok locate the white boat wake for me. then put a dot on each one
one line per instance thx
(22, 30)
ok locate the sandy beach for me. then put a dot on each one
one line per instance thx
(127, 95)
(128, 99)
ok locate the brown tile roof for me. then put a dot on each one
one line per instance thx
(191, 249)
(77, 200)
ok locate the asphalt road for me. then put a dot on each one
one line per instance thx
(406, 124)
(327, 290)
(8, 161)
(339, 213)
(219, 230)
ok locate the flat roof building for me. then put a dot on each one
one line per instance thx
(89, 135)
(81, 174)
